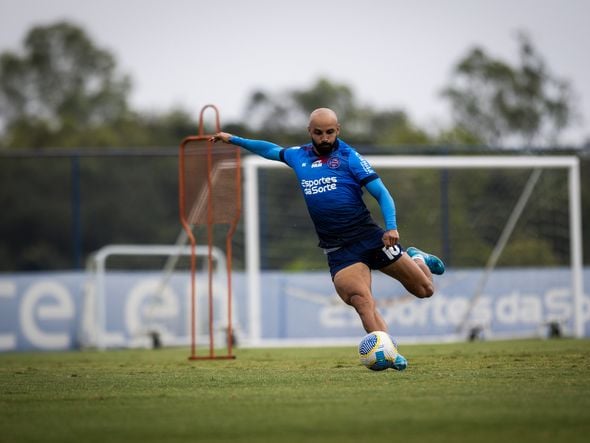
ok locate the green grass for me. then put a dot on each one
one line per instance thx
(514, 391)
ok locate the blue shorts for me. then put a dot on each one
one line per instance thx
(368, 251)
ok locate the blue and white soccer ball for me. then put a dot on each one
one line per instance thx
(377, 351)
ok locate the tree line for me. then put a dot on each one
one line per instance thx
(62, 90)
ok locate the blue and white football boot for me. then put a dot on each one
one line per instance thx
(400, 363)
(434, 263)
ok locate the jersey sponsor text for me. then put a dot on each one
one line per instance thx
(319, 186)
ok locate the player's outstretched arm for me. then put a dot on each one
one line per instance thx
(263, 148)
(378, 190)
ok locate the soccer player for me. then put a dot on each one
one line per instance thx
(331, 175)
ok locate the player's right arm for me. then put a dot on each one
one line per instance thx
(263, 148)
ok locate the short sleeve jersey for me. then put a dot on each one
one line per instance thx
(332, 187)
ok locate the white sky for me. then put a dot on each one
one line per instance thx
(393, 53)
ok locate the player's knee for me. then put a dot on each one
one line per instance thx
(423, 290)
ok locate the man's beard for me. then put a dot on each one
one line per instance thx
(323, 148)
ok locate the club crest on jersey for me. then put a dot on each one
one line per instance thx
(317, 164)
(333, 163)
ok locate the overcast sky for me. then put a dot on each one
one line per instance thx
(393, 53)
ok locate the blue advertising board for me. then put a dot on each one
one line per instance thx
(56, 311)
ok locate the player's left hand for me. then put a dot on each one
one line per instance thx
(390, 238)
(223, 136)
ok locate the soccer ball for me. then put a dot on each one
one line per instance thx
(377, 351)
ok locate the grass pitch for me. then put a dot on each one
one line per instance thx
(514, 391)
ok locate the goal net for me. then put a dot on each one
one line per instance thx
(508, 229)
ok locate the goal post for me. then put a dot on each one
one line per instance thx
(567, 215)
(129, 303)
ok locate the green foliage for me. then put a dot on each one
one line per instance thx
(325, 93)
(458, 136)
(35, 220)
(64, 91)
(124, 200)
(283, 116)
(61, 90)
(525, 391)
(61, 83)
(400, 131)
(142, 211)
(503, 104)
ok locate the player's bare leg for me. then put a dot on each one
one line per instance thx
(353, 285)
(413, 274)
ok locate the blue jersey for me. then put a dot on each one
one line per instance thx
(332, 187)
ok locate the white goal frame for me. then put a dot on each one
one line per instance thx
(94, 331)
(252, 164)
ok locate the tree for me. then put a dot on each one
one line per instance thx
(502, 104)
(283, 116)
(62, 84)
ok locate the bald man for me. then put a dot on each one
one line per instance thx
(331, 175)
